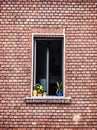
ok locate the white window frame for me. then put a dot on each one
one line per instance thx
(62, 35)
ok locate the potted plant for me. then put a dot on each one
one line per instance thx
(35, 90)
(44, 93)
(59, 88)
(39, 89)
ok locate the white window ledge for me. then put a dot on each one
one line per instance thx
(48, 100)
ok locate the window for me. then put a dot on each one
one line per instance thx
(48, 63)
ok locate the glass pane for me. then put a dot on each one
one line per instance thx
(41, 65)
(49, 69)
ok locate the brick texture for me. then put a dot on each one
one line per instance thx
(18, 20)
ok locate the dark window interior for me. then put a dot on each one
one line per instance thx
(49, 63)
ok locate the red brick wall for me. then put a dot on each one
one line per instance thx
(18, 20)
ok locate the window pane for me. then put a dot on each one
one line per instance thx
(55, 65)
(41, 64)
(48, 64)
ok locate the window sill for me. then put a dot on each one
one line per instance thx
(48, 100)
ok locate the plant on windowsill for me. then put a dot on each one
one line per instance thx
(39, 89)
(59, 88)
(44, 93)
(35, 90)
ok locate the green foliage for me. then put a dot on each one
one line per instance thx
(38, 87)
(59, 87)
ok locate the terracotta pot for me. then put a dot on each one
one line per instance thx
(39, 94)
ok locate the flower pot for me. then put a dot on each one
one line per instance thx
(59, 94)
(44, 94)
(39, 94)
(35, 93)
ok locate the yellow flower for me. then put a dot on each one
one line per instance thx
(41, 87)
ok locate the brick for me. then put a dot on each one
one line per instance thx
(18, 20)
